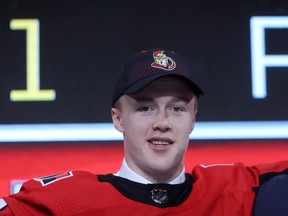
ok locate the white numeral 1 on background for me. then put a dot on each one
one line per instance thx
(32, 91)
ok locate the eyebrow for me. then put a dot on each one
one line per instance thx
(149, 99)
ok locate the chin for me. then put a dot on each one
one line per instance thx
(163, 168)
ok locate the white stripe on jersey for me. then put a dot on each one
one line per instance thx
(3, 204)
(213, 165)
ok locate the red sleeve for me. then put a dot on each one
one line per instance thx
(4, 210)
(238, 174)
(232, 185)
(264, 172)
(17, 207)
(34, 196)
(278, 167)
(57, 195)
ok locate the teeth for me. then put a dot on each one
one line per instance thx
(158, 142)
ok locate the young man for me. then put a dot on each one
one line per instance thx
(154, 105)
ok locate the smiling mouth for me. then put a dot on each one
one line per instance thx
(160, 142)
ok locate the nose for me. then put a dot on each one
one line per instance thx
(161, 122)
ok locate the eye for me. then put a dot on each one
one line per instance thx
(144, 109)
(177, 109)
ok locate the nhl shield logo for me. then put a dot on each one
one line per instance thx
(159, 196)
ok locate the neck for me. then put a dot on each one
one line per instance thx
(126, 172)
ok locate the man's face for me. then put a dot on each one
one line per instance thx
(156, 123)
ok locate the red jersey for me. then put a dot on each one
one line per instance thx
(214, 190)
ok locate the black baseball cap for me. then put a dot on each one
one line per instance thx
(144, 67)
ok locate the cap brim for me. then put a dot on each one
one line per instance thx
(136, 87)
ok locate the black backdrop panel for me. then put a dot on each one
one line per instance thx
(83, 45)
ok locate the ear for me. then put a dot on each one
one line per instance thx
(117, 120)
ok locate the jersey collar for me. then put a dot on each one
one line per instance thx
(126, 172)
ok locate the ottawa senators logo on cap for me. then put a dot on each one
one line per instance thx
(162, 61)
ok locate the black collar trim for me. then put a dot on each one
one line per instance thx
(159, 195)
